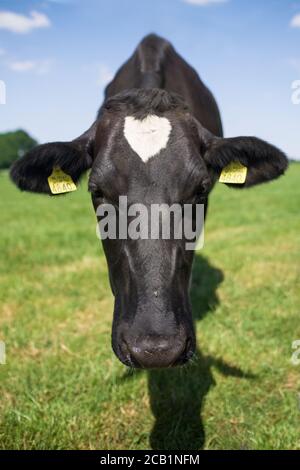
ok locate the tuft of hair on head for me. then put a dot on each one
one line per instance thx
(141, 102)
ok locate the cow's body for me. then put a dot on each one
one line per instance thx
(157, 139)
(156, 64)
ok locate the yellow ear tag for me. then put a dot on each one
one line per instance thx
(60, 182)
(234, 173)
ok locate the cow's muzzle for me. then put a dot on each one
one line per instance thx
(155, 351)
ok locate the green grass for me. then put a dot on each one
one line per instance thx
(62, 387)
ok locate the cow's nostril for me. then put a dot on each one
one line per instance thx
(188, 352)
(126, 354)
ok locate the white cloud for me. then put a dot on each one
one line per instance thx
(22, 66)
(105, 75)
(295, 22)
(22, 24)
(204, 3)
(40, 67)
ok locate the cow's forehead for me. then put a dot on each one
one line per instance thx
(152, 138)
(149, 154)
(147, 137)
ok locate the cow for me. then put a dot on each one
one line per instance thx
(157, 138)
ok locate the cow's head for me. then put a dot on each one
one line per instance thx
(146, 145)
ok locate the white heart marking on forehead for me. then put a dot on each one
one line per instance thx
(147, 137)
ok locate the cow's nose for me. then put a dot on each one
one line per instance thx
(157, 351)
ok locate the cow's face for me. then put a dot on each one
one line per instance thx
(151, 158)
(146, 147)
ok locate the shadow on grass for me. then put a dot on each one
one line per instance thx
(177, 395)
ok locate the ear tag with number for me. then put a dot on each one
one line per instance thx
(234, 173)
(60, 182)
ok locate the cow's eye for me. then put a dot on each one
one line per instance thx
(100, 198)
(201, 193)
(98, 194)
(203, 189)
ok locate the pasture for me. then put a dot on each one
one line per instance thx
(62, 387)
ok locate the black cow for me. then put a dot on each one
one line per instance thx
(157, 139)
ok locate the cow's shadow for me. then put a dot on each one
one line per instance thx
(177, 395)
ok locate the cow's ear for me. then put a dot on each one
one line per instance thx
(263, 161)
(31, 172)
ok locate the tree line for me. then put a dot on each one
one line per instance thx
(14, 145)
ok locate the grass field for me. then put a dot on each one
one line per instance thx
(62, 387)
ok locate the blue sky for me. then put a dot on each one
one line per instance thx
(56, 57)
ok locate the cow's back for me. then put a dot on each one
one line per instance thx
(156, 64)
